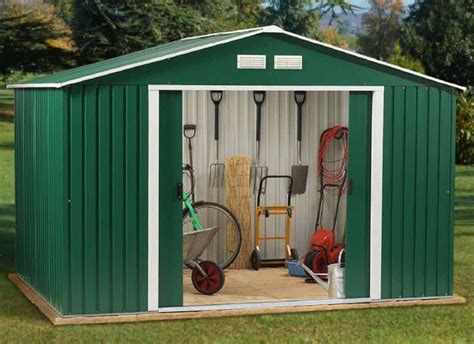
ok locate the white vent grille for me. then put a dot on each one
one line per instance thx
(251, 61)
(288, 62)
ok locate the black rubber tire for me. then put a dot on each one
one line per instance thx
(213, 283)
(255, 260)
(237, 231)
(294, 253)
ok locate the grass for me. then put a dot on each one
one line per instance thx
(20, 321)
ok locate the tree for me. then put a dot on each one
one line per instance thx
(465, 129)
(32, 38)
(330, 35)
(335, 7)
(441, 34)
(297, 16)
(382, 28)
(400, 59)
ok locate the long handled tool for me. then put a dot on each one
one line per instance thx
(257, 171)
(299, 172)
(216, 169)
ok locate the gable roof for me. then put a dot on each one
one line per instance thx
(183, 47)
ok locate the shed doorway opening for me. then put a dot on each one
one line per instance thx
(230, 156)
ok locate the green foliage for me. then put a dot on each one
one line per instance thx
(32, 38)
(398, 58)
(465, 129)
(382, 27)
(109, 28)
(441, 34)
(335, 8)
(297, 16)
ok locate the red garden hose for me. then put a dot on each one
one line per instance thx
(333, 171)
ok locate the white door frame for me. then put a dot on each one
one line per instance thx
(154, 167)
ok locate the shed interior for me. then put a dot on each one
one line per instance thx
(278, 150)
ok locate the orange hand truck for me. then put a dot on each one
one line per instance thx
(285, 210)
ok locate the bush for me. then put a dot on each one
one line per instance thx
(465, 129)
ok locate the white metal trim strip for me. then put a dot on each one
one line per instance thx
(168, 87)
(252, 32)
(376, 195)
(153, 198)
(270, 304)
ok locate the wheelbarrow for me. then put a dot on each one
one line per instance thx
(207, 276)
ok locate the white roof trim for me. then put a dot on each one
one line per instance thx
(250, 32)
(371, 59)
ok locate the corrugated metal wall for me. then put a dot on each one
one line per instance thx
(107, 252)
(278, 150)
(417, 251)
(41, 191)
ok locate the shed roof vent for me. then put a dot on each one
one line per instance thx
(288, 62)
(251, 61)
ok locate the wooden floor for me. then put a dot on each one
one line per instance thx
(266, 284)
(58, 319)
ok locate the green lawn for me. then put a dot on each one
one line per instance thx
(21, 321)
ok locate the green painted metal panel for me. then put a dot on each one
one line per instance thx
(104, 165)
(77, 199)
(421, 186)
(452, 144)
(357, 272)
(170, 225)
(444, 230)
(41, 192)
(408, 233)
(397, 191)
(418, 171)
(433, 193)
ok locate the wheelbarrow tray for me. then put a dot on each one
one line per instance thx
(194, 243)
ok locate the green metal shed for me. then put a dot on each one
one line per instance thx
(98, 154)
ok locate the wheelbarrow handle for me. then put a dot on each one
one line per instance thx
(263, 180)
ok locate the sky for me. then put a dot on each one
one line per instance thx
(365, 3)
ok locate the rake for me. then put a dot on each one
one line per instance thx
(216, 169)
(257, 171)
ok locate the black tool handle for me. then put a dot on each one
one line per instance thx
(216, 121)
(189, 130)
(259, 98)
(300, 97)
(263, 180)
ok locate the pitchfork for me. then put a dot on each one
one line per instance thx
(216, 169)
(257, 171)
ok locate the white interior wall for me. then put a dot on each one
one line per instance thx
(278, 151)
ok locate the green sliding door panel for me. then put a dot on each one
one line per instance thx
(171, 233)
(358, 200)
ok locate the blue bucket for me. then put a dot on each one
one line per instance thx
(294, 269)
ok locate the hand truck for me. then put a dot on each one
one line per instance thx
(285, 210)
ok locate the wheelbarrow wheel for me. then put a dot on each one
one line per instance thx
(213, 282)
(256, 259)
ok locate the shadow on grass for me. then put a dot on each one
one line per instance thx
(7, 217)
(7, 146)
(465, 173)
(7, 238)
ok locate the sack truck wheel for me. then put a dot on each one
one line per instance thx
(255, 259)
(294, 254)
(213, 282)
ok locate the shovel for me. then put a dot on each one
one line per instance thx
(257, 171)
(216, 169)
(299, 172)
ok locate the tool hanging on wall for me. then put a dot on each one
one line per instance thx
(189, 131)
(216, 169)
(299, 172)
(257, 171)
